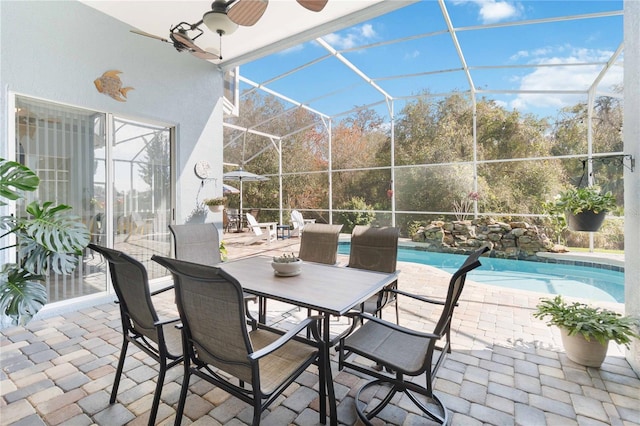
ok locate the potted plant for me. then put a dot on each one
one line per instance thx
(49, 239)
(286, 265)
(216, 204)
(585, 208)
(586, 330)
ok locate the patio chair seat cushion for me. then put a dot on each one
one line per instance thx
(402, 352)
(279, 365)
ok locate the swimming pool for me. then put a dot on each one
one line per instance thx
(568, 280)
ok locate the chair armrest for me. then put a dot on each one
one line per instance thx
(398, 328)
(162, 290)
(307, 322)
(415, 296)
(165, 321)
(271, 225)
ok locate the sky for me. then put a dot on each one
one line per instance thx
(502, 57)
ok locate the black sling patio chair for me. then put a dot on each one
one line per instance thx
(376, 249)
(219, 346)
(404, 352)
(141, 325)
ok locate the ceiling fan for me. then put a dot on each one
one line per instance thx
(223, 19)
(182, 42)
(248, 12)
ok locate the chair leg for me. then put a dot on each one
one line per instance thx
(397, 312)
(183, 392)
(257, 408)
(408, 388)
(158, 392)
(116, 381)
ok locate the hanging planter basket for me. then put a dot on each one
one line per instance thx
(586, 221)
(216, 208)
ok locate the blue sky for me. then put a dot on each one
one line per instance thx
(427, 59)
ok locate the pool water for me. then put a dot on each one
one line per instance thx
(569, 280)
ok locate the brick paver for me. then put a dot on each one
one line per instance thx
(507, 368)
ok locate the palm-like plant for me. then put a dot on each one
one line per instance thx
(48, 239)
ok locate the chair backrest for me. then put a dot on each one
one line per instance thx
(253, 224)
(197, 243)
(211, 307)
(375, 249)
(319, 243)
(131, 284)
(456, 284)
(225, 219)
(297, 219)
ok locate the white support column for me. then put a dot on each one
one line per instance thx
(631, 137)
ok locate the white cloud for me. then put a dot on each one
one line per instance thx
(565, 77)
(367, 31)
(354, 37)
(492, 11)
(412, 55)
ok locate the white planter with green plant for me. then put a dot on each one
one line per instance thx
(287, 265)
(585, 330)
(216, 204)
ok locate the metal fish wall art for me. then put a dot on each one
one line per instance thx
(111, 85)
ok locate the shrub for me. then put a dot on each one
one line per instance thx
(359, 213)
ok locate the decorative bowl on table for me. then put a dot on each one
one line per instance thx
(287, 265)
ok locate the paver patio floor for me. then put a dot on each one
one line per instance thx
(507, 368)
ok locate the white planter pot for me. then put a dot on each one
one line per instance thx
(590, 354)
(216, 209)
(288, 269)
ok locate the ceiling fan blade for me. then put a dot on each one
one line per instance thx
(183, 39)
(313, 5)
(142, 33)
(247, 12)
(189, 45)
(203, 54)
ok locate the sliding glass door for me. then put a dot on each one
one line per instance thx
(113, 172)
(141, 196)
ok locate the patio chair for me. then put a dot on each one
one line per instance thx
(297, 220)
(421, 352)
(319, 243)
(158, 338)
(219, 346)
(376, 249)
(199, 243)
(230, 219)
(262, 231)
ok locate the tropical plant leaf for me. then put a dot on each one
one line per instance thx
(21, 293)
(38, 260)
(14, 179)
(57, 232)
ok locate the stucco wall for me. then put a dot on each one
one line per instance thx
(55, 50)
(631, 135)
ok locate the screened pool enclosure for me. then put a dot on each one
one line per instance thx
(446, 136)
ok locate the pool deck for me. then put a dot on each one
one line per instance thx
(588, 257)
(506, 367)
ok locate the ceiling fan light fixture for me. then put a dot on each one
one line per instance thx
(219, 23)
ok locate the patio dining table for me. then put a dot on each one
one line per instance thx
(328, 289)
